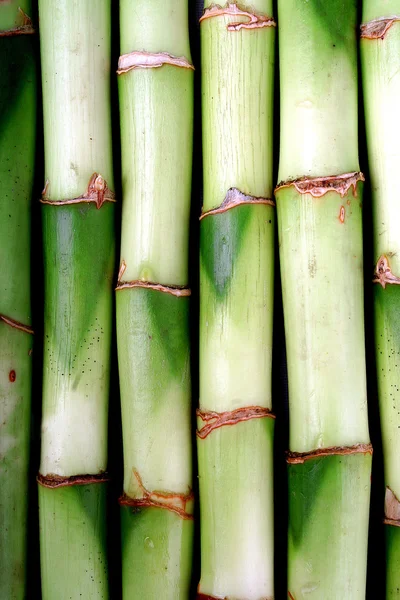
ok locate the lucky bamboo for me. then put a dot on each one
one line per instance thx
(17, 160)
(319, 201)
(380, 48)
(78, 238)
(235, 422)
(156, 107)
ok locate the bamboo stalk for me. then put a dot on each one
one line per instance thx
(320, 237)
(380, 46)
(17, 148)
(78, 208)
(156, 108)
(235, 422)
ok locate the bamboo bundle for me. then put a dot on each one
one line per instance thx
(235, 422)
(17, 158)
(320, 237)
(156, 108)
(78, 236)
(380, 47)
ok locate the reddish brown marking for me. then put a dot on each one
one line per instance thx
(255, 20)
(383, 273)
(319, 186)
(377, 28)
(176, 503)
(295, 458)
(150, 60)
(55, 481)
(233, 198)
(16, 324)
(342, 214)
(215, 420)
(25, 29)
(97, 192)
(158, 287)
(12, 376)
(392, 522)
(200, 596)
(290, 596)
(392, 508)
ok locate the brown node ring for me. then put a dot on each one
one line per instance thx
(214, 420)
(97, 192)
(392, 508)
(174, 290)
(176, 503)
(296, 458)
(150, 60)
(377, 28)
(56, 481)
(383, 273)
(25, 29)
(233, 198)
(200, 596)
(255, 20)
(319, 186)
(16, 324)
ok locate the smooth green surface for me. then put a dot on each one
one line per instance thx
(327, 543)
(236, 313)
(375, 9)
(322, 284)
(318, 75)
(237, 93)
(79, 269)
(237, 518)
(392, 562)
(73, 542)
(75, 41)
(154, 368)
(157, 554)
(154, 26)
(156, 107)
(12, 13)
(17, 148)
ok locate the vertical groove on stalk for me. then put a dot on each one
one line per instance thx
(17, 158)
(380, 47)
(78, 235)
(156, 107)
(320, 238)
(235, 423)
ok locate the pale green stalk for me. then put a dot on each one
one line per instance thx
(78, 270)
(156, 108)
(17, 159)
(320, 240)
(380, 47)
(235, 423)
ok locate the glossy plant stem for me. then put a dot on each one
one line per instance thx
(17, 160)
(319, 201)
(380, 47)
(78, 236)
(156, 108)
(234, 421)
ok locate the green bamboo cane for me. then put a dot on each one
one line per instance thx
(380, 47)
(78, 235)
(235, 423)
(156, 108)
(17, 148)
(320, 236)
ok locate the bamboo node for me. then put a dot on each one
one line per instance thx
(383, 273)
(180, 504)
(150, 60)
(377, 28)
(174, 290)
(55, 481)
(97, 192)
(233, 198)
(16, 324)
(255, 20)
(296, 458)
(214, 420)
(392, 508)
(25, 29)
(319, 186)
(200, 596)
